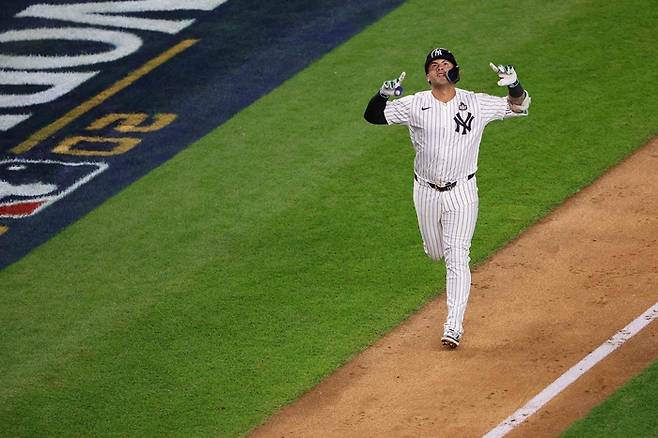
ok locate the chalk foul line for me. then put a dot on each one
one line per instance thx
(574, 373)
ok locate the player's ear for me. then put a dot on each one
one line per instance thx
(428, 79)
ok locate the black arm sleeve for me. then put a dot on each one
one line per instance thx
(515, 90)
(375, 110)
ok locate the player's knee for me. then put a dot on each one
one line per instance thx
(457, 257)
(434, 253)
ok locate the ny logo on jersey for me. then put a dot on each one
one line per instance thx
(464, 124)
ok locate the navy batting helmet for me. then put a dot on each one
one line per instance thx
(441, 53)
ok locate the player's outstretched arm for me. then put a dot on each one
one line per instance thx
(375, 110)
(519, 100)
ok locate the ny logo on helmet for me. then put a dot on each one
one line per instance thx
(464, 124)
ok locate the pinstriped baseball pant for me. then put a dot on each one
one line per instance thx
(447, 222)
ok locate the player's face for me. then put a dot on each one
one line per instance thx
(437, 71)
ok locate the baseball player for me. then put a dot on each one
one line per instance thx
(445, 125)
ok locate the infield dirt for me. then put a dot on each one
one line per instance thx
(537, 307)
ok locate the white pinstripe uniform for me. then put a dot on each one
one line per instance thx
(446, 138)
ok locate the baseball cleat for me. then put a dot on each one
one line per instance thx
(451, 339)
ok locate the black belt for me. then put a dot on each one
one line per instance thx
(446, 187)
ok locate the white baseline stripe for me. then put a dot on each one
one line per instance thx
(574, 373)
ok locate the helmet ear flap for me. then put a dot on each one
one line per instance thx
(453, 74)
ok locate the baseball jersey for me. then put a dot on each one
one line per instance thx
(446, 136)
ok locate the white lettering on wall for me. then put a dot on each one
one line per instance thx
(107, 13)
(101, 13)
(60, 84)
(124, 44)
(8, 121)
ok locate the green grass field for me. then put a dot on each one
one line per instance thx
(631, 412)
(267, 254)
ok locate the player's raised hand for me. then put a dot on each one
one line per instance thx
(392, 87)
(506, 73)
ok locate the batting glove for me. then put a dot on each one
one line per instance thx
(506, 73)
(392, 87)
